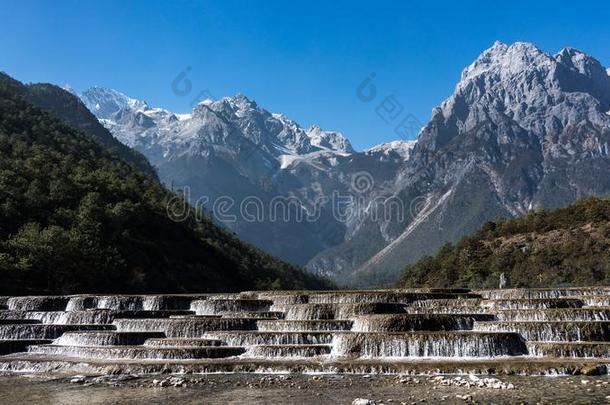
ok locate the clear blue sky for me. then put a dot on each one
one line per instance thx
(302, 58)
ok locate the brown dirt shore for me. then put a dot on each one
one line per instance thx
(301, 389)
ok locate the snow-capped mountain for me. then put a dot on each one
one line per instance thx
(105, 102)
(273, 133)
(523, 129)
(233, 148)
(329, 140)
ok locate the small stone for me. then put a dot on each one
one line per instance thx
(363, 401)
(78, 379)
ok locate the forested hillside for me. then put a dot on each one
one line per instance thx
(76, 218)
(563, 247)
(69, 108)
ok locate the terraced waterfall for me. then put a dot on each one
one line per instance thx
(524, 331)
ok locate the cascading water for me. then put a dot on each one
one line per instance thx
(220, 306)
(305, 312)
(428, 344)
(551, 331)
(374, 296)
(288, 351)
(146, 302)
(107, 338)
(253, 338)
(347, 331)
(415, 322)
(555, 314)
(300, 326)
(188, 327)
(51, 303)
(570, 349)
(254, 314)
(596, 300)
(138, 353)
(182, 342)
(37, 331)
(532, 303)
(524, 293)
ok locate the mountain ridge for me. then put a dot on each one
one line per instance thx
(262, 155)
(523, 129)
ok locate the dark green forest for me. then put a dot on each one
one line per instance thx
(79, 213)
(562, 247)
(69, 108)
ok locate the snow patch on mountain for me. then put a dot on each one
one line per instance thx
(69, 89)
(401, 147)
(329, 140)
(104, 102)
(135, 123)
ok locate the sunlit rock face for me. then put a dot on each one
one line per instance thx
(526, 331)
(524, 129)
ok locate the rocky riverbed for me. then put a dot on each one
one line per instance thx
(302, 389)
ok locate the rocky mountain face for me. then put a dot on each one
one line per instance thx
(523, 129)
(275, 184)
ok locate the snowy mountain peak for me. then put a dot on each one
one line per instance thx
(512, 59)
(206, 102)
(105, 102)
(330, 140)
(581, 63)
(509, 78)
(237, 105)
(402, 147)
(241, 102)
(132, 121)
